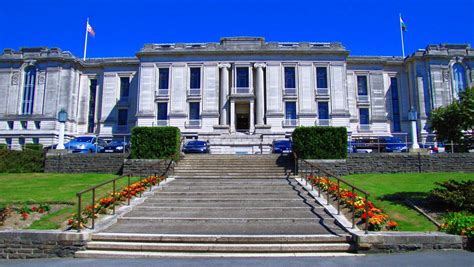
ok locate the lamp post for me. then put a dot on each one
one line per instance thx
(412, 116)
(62, 118)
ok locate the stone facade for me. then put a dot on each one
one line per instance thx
(40, 244)
(215, 90)
(395, 163)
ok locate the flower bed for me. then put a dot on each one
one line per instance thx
(376, 218)
(22, 216)
(106, 204)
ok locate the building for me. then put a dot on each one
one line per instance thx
(237, 93)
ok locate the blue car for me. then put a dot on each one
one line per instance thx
(196, 146)
(393, 144)
(117, 146)
(85, 144)
(282, 146)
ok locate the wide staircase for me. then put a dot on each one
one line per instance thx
(224, 205)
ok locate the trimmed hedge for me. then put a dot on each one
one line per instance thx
(320, 142)
(3, 146)
(155, 143)
(37, 147)
(21, 161)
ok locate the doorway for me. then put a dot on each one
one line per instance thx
(242, 117)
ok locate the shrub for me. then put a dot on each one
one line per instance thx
(459, 223)
(21, 161)
(155, 142)
(37, 147)
(320, 142)
(454, 195)
(3, 146)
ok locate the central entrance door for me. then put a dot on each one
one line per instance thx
(242, 112)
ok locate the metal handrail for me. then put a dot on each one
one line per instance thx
(113, 181)
(308, 169)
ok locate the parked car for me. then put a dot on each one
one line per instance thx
(196, 146)
(117, 146)
(283, 146)
(85, 144)
(393, 144)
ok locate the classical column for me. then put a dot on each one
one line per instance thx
(232, 116)
(252, 120)
(224, 84)
(259, 93)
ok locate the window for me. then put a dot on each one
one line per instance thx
(35, 140)
(162, 114)
(164, 74)
(362, 85)
(37, 125)
(195, 82)
(395, 105)
(364, 116)
(194, 111)
(10, 125)
(21, 141)
(124, 87)
(122, 117)
(322, 77)
(24, 125)
(242, 77)
(290, 113)
(9, 142)
(29, 90)
(323, 110)
(92, 96)
(459, 75)
(290, 77)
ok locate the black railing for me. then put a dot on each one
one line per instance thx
(312, 171)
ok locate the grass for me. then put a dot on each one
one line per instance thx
(389, 192)
(52, 188)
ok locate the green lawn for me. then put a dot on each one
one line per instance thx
(53, 188)
(389, 191)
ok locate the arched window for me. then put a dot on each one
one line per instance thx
(459, 76)
(29, 90)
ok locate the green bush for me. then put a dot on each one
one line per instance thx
(3, 146)
(21, 161)
(459, 223)
(320, 142)
(155, 143)
(454, 195)
(37, 147)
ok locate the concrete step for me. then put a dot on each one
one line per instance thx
(216, 202)
(224, 214)
(230, 239)
(234, 181)
(190, 187)
(212, 247)
(245, 170)
(160, 210)
(235, 195)
(229, 176)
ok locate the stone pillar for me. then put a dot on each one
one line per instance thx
(259, 94)
(252, 120)
(232, 116)
(224, 92)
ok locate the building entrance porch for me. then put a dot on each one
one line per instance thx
(242, 116)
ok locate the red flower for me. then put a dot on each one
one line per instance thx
(41, 210)
(34, 209)
(24, 215)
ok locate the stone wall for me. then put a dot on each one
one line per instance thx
(146, 167)
(393, 163)
(80, 163)
(40, 244)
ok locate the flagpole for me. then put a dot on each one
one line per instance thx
(401, 34)
(85, 42)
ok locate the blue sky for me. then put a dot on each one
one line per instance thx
(368, 27)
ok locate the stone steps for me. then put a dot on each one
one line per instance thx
(227, 176)
(226, 214)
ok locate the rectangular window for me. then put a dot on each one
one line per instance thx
(10, 125)
(395, 105)
(290, 110)
(323, 110)
(362, 85)
(92, 96)
(194, 111)
(9, 142)
(37, 125)
(35, 140)
(162, 111)
(164, 75)
(195, 79)
(290, 77)
(21, 141)
(24, 125)
(322, 77)
(242, 77)
(124, 87)
(122, 117)
(364, 116)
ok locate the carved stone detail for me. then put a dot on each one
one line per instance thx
(223, 65)
(260, 65)
(15, 78)
(445, 75)
(41, 77)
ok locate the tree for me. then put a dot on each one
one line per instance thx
(449, 122)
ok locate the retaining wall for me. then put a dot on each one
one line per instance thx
(40, 244)
(80, 163)
(146, 167)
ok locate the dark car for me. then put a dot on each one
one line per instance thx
(393, 144)
(282, 146)
(196, 146)
(117, 146)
